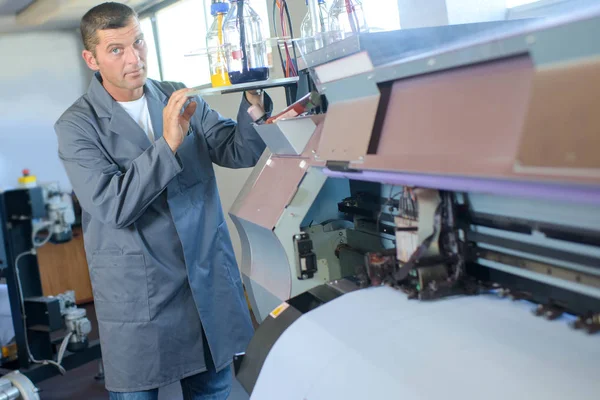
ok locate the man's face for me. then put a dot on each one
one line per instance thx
(120, 57)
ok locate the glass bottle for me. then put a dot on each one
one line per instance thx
(347, 18)
(306, 29)
(310, 40)
(247, 58)
(216, 45)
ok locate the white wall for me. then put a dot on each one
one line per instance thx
(547, 8)
(417, 14)
(466, 11)
(41, 74)
(413, 14)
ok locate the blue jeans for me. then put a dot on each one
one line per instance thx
(209, 385)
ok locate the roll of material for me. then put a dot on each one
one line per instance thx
(376, 344)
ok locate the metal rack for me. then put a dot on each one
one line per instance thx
(289, 84)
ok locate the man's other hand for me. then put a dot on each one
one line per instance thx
(175, 123)
(255, 97)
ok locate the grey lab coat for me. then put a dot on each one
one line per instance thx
(160, 257)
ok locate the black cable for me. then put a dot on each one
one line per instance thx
(387, 202)
(276, 35)
(404, 270)
(240, 16)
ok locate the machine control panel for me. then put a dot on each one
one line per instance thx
(306, 259)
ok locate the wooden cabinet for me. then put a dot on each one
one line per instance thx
(64, 267)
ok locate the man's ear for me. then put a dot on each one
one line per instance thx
(90, 60)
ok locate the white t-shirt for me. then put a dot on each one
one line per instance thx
(138, 110)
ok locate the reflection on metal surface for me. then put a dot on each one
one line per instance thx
(541, 268)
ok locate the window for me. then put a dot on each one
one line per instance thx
(517, 3)
(382, 14)
(152, 58)
(182, 28)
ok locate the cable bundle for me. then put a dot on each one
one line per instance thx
(288, 66)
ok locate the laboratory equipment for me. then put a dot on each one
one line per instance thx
(50, 332)
(313, 35)
(215, 45)
(16, 386)
(27, 180)
(308, 29)
(346, 18)
(61, 214)
(247, 58)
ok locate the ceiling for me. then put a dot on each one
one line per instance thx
(11, 7)
(29, 15)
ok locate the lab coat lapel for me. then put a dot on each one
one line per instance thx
(120, 122)
(157, 101)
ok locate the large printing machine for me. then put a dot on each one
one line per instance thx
(436, 232)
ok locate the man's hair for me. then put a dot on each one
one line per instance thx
(104, 16)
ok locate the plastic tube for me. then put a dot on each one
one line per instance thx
(351, 16)
(220, 34)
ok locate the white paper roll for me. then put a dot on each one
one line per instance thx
(375, 344)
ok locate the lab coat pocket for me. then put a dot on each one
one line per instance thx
(120, 287)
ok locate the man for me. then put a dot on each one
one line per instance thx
(167, 290)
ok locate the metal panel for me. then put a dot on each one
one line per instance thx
(386, 47)
(347, 129)
(465, 121)
(288, 136)
(261, 300)
(569, 193)
(260, 165)
(289, 225)
(544, 278)
(263, 260)
(548, 41)
(271, 192)
(560, 135)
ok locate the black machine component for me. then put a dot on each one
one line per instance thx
(306, 259)
(453, 267)
(366, 209)
(421, 275)
(428, 277)
(250, 363)
(44, 313)
(37, 320)
(552, 298)
(24, 204)
(380, 267)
